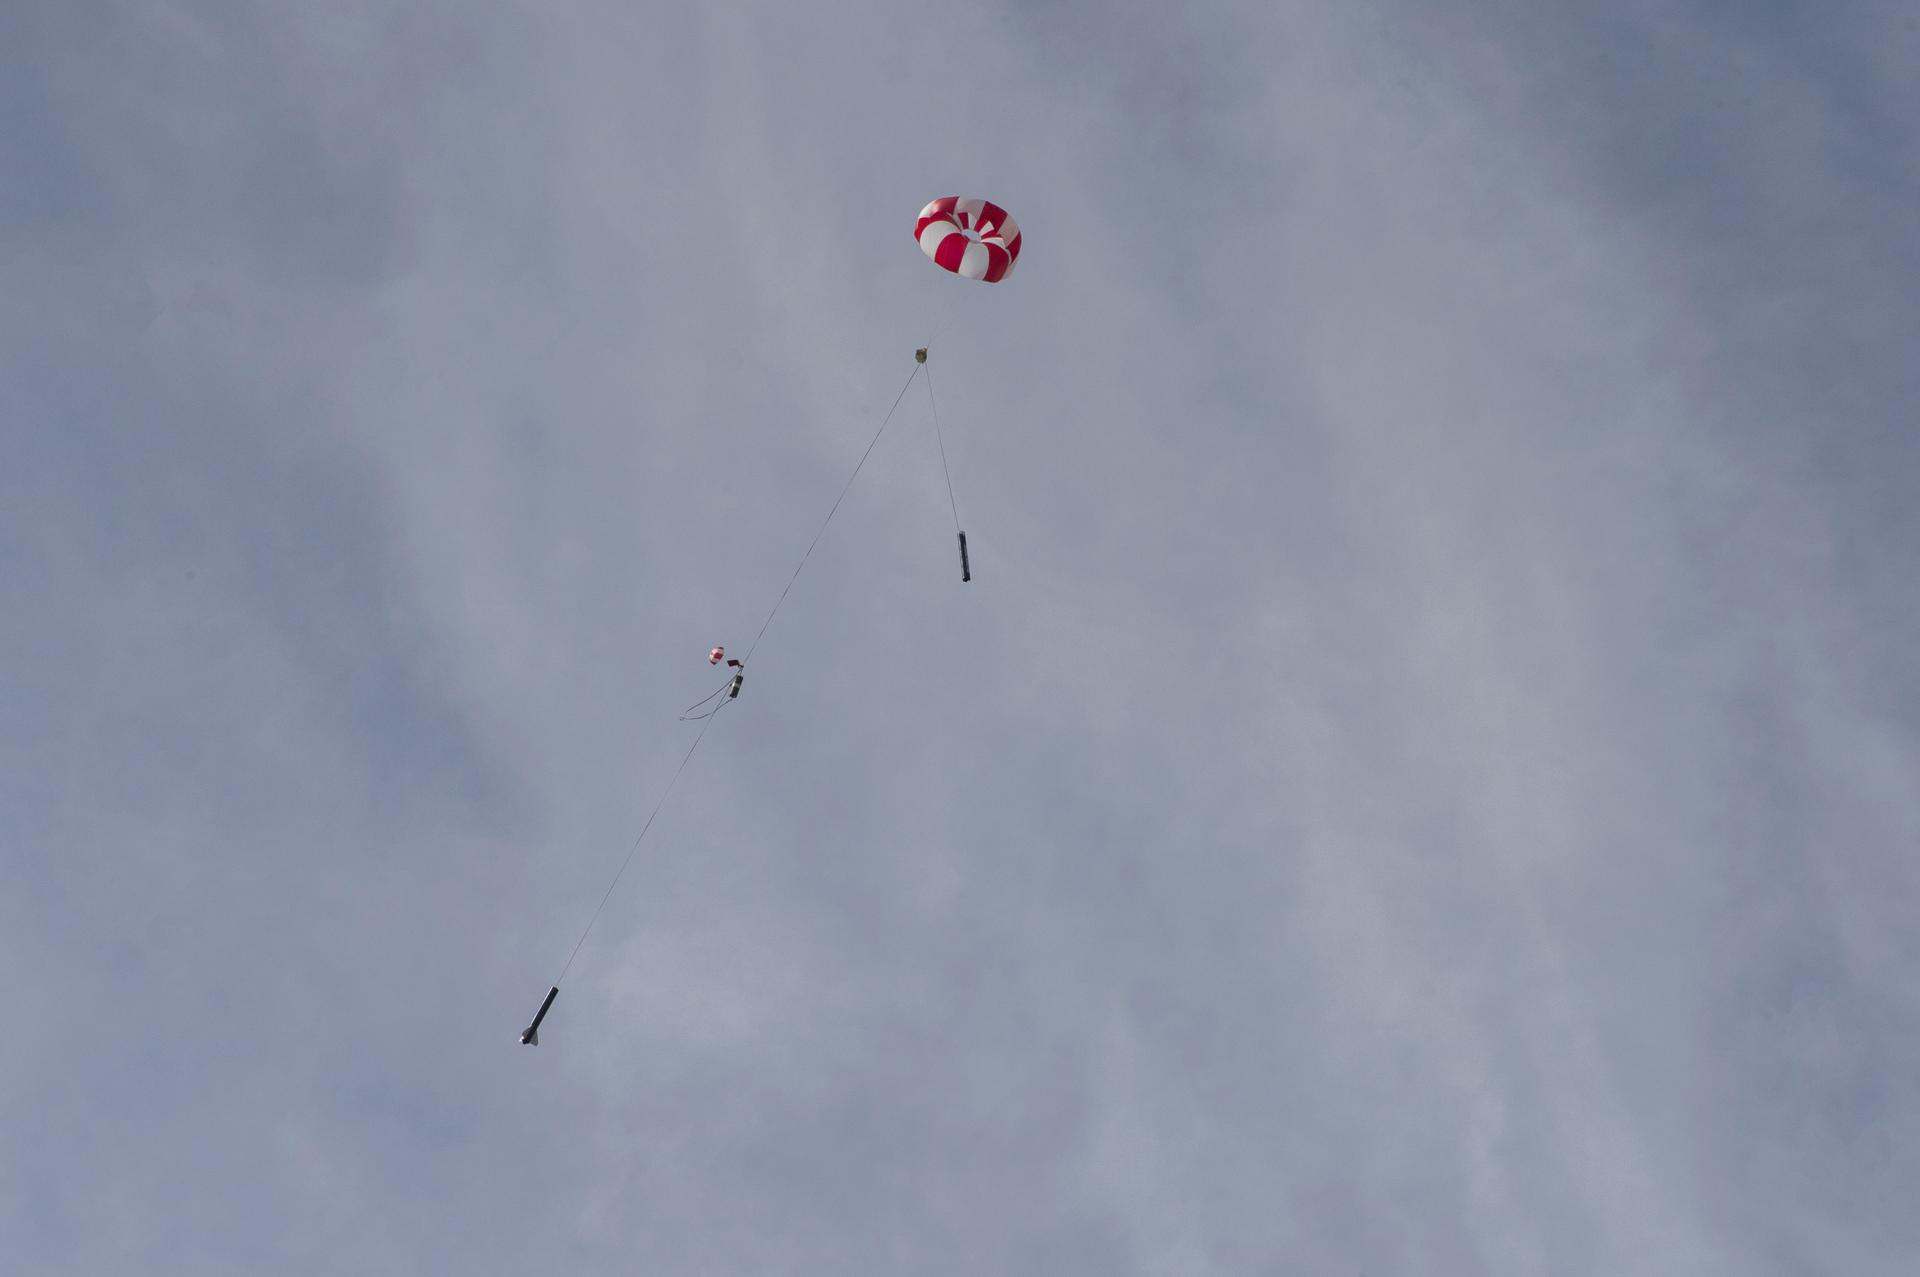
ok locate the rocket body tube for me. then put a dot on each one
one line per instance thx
(530, 1036)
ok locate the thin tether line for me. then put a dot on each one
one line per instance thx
(830, 513)
(706, 720)
(943, 451)
(640, 838)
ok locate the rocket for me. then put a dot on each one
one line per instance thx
(531, 1035)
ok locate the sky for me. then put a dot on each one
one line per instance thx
(1423, 779)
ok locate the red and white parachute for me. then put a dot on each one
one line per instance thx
(969, 237)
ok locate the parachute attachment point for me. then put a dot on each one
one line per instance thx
(966, 573)
(530, 1036)
(920, 355)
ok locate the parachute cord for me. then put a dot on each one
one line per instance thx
(830, 513)
(631, 851)
(939, 328)
(954, 505)
(688, 716)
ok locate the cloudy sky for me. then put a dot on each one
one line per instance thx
(1425, 779)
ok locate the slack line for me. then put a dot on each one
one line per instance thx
(731, 688)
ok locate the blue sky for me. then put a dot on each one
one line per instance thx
(1422, 782)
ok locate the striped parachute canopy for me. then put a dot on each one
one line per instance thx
(969, 237)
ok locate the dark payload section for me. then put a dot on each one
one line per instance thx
(530, 1036)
